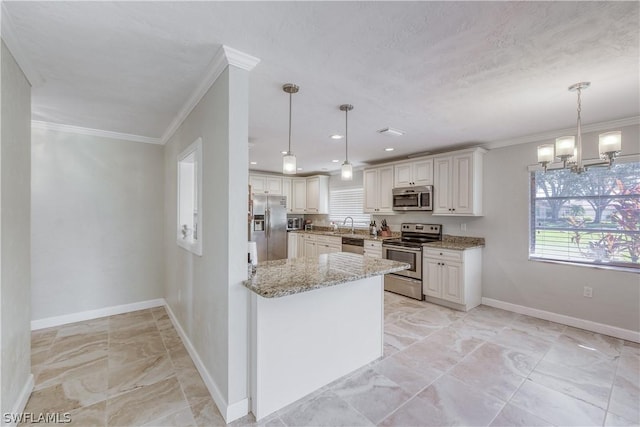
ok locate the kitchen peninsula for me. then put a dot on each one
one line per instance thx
(313, 320)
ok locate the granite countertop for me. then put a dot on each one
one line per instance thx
(359, 234)
(456, 242)
(275, 279)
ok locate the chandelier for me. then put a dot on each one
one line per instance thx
(569, 148)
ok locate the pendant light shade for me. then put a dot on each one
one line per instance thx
(347, 169)
(289, 166)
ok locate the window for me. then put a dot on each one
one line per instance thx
(348, 202)
(189, 224)
(590, 218)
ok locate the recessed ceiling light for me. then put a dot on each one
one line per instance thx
(299, 169)
(389, 149)
(254, 163)
(336, 136)
(391, 132)
(324, 169)
(335, 161)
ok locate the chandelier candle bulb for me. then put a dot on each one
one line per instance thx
(565, 146)
(610, 142)
(545, 153)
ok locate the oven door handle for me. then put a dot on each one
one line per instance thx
(402, 249)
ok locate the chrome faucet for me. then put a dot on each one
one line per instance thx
(345, 221)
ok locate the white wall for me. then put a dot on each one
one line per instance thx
(15, 176)
(508, 275)
(97, 223)
(205, 293)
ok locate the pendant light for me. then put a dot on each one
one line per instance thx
(569, 148)
(347, 168)
(289, 159)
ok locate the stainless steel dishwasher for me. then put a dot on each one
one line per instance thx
(353, 245)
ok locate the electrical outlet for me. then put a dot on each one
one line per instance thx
(463, 226)
(588, 292)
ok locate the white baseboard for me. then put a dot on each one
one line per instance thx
(21, 402)
(49, 322)
(229, 412)
(601, 328)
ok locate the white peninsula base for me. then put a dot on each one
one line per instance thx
(302, 342)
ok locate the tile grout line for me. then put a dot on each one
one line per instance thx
(613, 383)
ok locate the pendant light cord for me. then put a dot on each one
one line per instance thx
(346, 135)
(290, 101)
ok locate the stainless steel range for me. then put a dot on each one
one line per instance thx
(408, 248)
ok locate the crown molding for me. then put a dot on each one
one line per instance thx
(13, 44)
(552, 135)
(36, 124)
(224, 57)
(240, 59)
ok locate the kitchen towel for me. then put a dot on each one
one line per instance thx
(253, 253)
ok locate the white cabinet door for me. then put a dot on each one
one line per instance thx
(258, 184)
(457, 183)
(431, 277)
(274, 185)
(462, 184)
(423, 172)
(403, 175)
(442, 185)
(310, 249)
(385, 190)
(300, 248)
(370, 184)
(313, 194)
(452, 282)
(298, 195)
(286, 191)
(292, 245)
(378, 185)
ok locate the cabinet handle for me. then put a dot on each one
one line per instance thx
(440, 253)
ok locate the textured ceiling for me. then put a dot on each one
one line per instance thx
(447, 73)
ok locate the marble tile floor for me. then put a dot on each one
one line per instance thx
(487, 367)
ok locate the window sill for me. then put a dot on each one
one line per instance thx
(584, 264)
(190, 245)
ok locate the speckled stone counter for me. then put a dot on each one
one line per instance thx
(359, 234)
(274, 279)
(459, 243)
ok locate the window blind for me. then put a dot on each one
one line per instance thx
(348, 202)
(589, 218)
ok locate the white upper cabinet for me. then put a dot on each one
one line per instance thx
(265, 184)
(298, 195)
(419, 172)
(378, 185)
(457, 183)
(317, 194)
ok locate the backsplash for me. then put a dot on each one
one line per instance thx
(450, 225)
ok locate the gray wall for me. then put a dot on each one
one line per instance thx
(206, 293)
(97, 223)
(508, 275)
(15, 176)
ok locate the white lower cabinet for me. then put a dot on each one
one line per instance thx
(313, 245)
(373, 249)
(452, 277)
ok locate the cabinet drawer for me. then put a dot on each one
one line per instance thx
(329, 240)
(442, 254)
(370, 244)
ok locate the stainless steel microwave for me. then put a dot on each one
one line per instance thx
(416, 198)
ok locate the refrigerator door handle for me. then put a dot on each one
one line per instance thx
(268, 222)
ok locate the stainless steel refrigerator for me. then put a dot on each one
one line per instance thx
(269, 227)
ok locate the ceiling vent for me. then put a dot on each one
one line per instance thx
(391, 132)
